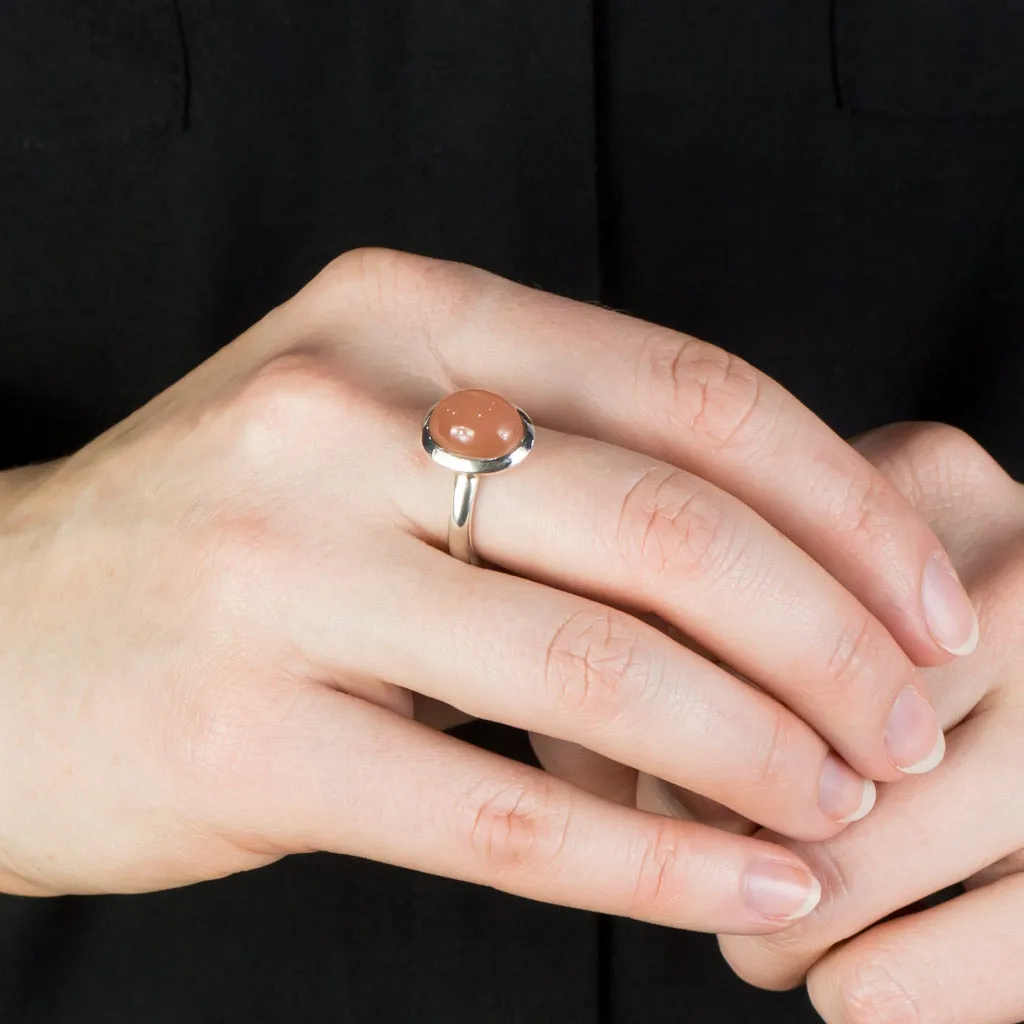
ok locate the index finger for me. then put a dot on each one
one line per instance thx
(591, 371)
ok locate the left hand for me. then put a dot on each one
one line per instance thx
(959, 962)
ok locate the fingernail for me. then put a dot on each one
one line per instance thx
(948, 611)
(913, 738)
(780, 890)
(670, 797)
(843, 794)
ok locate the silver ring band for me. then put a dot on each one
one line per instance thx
(468, 470)
(460, 523)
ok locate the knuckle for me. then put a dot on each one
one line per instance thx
(960, 469)
(236, 556)
(772, 756)
(850, 661)
(368, 272)
(940, 445)
(597, 666)
(668, 523)
(933, 465)
(386, 282)
(664, 857)
(515, 824)
(860, 505)
(223, 735)
(868, 993)
(712, 393)
(865, 511)
(289, 403)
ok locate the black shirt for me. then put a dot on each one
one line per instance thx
(829, 188)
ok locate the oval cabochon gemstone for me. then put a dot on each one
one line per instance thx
(476, 424)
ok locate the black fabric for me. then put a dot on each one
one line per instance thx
(820, 187)
(872, 263)
(69, 70)
(948, 59)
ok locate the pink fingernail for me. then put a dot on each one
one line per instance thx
(948, 611)
(781, 890)
(913, 737)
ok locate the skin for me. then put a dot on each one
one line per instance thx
(959, 962)
(230, 624)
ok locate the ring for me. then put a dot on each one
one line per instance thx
(474, 432)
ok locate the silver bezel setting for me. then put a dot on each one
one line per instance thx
(477, 467)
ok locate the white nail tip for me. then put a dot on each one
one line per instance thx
(867, 802)
(813, 899)
(931, 761)
(972, 642)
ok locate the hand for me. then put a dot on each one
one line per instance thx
(217, 614)
(959, 962)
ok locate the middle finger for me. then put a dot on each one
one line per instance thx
(634, 532)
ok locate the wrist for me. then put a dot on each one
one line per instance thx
(16, 488)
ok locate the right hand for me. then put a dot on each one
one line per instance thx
(216, 615)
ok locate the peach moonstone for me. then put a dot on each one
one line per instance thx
(476, 424)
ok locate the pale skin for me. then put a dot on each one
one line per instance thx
(958, 963)
(229, 620)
